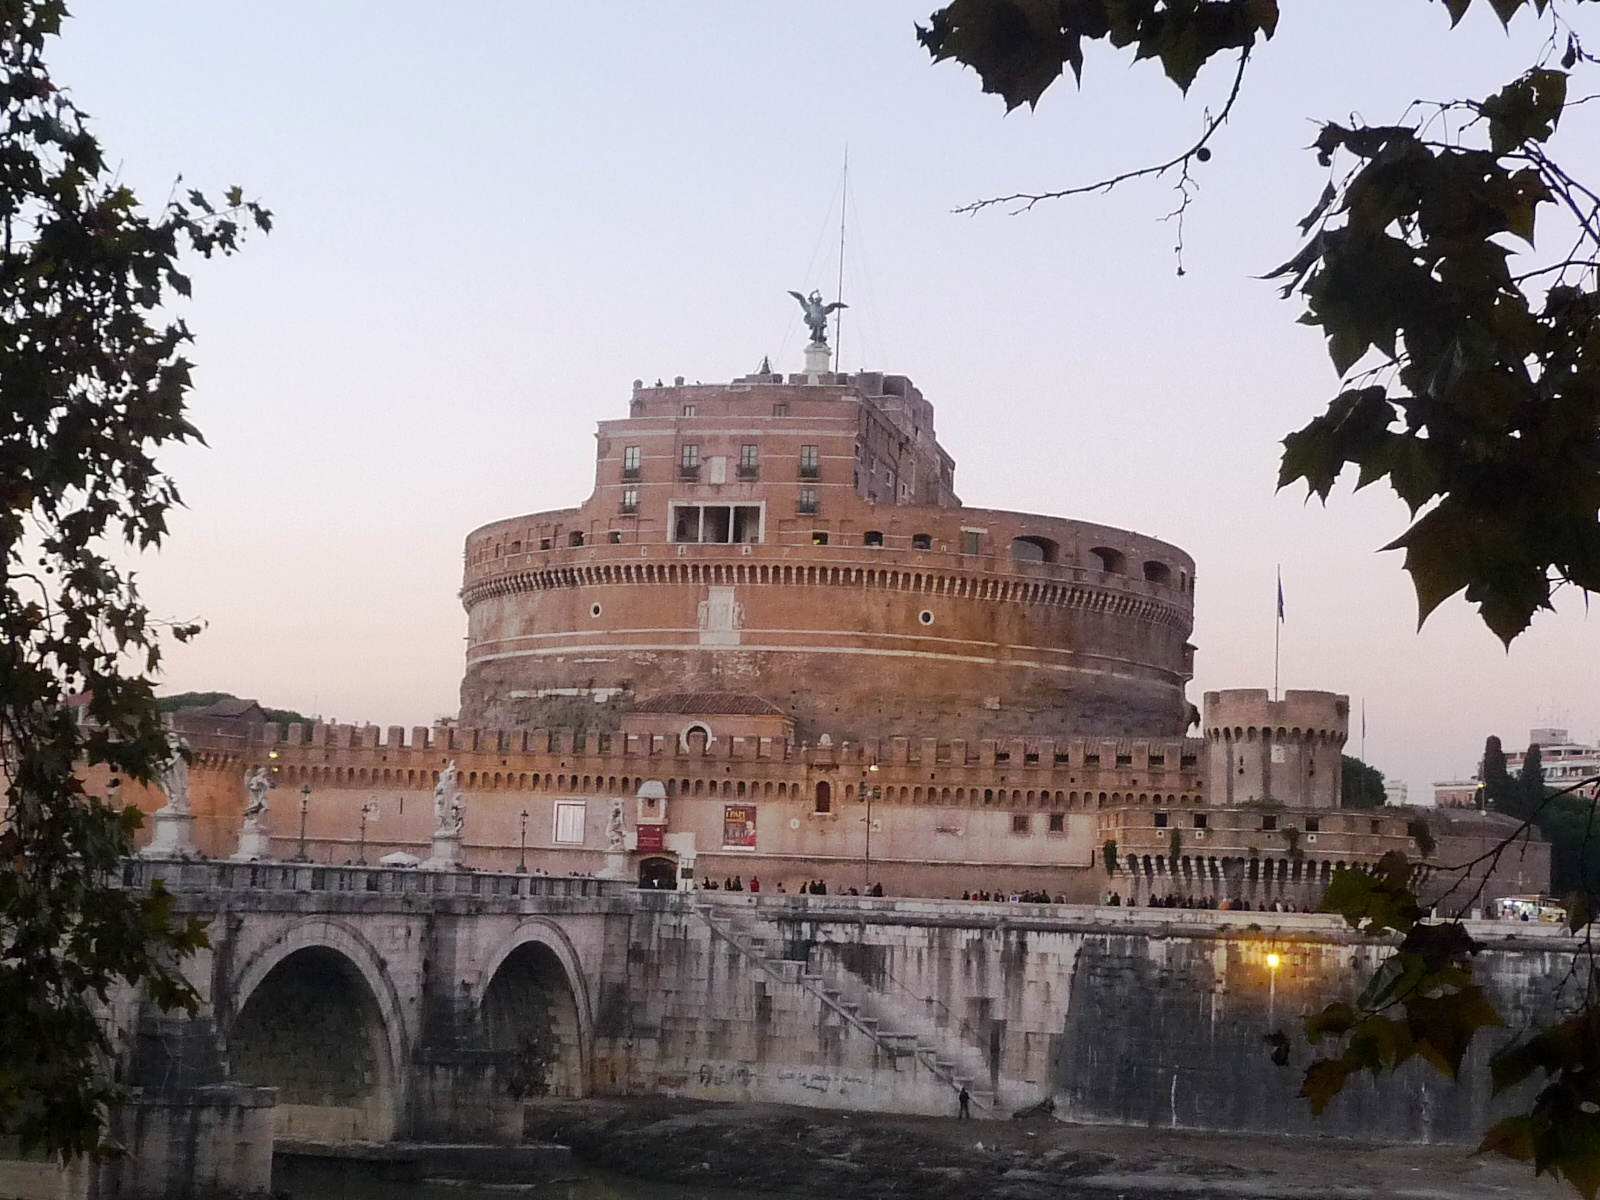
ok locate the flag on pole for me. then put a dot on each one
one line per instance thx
(1280, 594)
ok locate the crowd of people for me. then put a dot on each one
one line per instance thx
(811, 887)
(1207, 902)
(819, 887)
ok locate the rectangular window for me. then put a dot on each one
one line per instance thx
(1161, 820)
(1269, 822)
(806, 501)
(738, 826)
(688, 410)
(614, 537)
(1200, 820)
(569, 823)
(631, 461)
(1058, 822)
(922, 541)
(689, 456)
(780, 410)
(819, 537)
(969, 541)
(1313, 825)
(718, 523)
(747, 457)
(1020, 823)
(810, 463)
(630, 500)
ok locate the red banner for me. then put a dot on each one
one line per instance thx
(651, 839)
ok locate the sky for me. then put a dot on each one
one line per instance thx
(492, 217)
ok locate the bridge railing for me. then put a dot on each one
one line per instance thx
(204, 875)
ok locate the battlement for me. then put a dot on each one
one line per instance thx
(1005, 772)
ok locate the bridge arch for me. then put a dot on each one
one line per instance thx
(532, 995)
(315, 1014)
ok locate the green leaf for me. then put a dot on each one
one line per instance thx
(1527, 110)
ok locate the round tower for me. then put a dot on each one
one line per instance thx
(798, 541)
(1265, 751)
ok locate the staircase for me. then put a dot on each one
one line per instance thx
(737, 929)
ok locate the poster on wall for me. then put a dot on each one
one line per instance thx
(652, 839)
(738, 826)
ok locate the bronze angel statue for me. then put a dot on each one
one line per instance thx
(817, 314)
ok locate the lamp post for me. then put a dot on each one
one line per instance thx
(370, 808)
(305, 799)
(522, 856)
(867, 794)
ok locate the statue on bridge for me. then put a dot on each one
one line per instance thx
(254, 841)
(173, 835)
(616, 829)
(449, 809)
(175, 774)
(256, 786)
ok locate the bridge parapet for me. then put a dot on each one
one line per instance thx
(210, 876)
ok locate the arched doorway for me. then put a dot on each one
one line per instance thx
(529, 1013)
(313, 1030)
(660, 874)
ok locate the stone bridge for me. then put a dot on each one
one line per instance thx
(385, 1004)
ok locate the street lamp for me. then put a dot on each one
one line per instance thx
(522, 857)
(868, 794)
(369, 809)
(305, 799)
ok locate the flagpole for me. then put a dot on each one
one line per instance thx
(1277, 635)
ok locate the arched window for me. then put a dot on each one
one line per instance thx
(824, 800)
(1157, 572)
(1112, 561)
(1034, 549)
(872, 537)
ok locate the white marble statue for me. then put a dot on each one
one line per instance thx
(616, 831)
(257, 785)
(449, 809)
(175, 775)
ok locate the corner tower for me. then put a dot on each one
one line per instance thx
(1287, 752)
(799, 539)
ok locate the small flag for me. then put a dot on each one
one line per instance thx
(1363, 721)
(1280, 595)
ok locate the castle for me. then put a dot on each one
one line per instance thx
(773, 643)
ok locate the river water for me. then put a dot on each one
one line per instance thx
(304, 1179)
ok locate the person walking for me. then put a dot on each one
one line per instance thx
(965, 1101)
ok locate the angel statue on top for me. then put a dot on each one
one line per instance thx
(816, 315)
(448, 810)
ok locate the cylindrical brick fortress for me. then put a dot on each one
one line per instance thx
(800, 540)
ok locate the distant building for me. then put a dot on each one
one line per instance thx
(1565, 761)
(1394, 793)
(1455, 793)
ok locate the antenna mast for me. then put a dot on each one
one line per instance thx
(838, 313)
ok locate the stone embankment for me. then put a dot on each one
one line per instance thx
(868, 1156)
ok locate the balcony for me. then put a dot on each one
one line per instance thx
(631, 474)
(807, 506)
(810, 470)
(748, 471)
(690, 472)
(629, 508)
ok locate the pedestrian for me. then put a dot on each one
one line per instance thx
(965, 1101)
(755, 884)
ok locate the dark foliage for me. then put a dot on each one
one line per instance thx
(90, 385)
(1360, 786)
